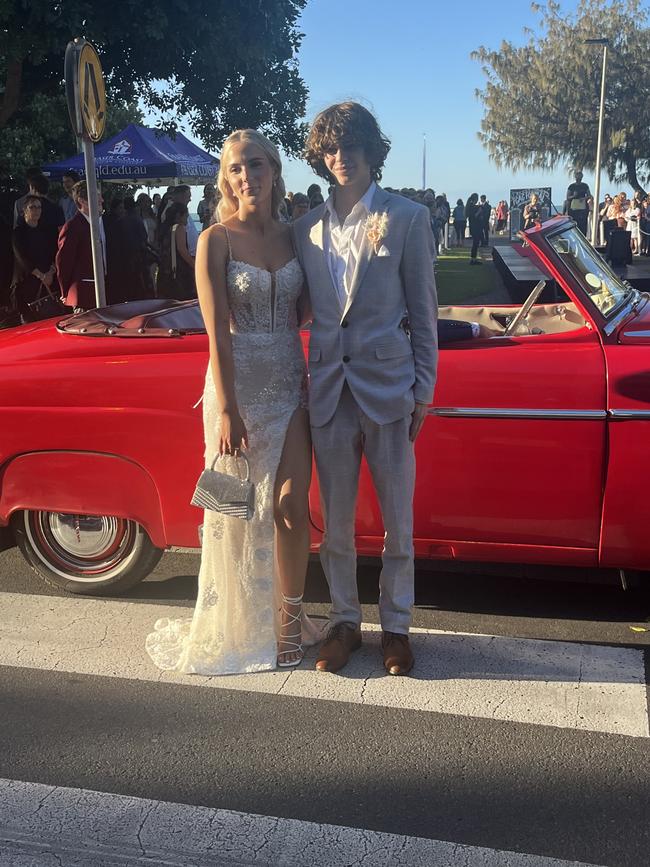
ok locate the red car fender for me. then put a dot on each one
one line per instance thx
(88, 483)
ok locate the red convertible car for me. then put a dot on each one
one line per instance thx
(534, 451)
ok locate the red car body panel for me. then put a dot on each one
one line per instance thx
(84, 483)
(109, 425)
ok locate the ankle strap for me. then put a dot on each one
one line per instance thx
(292, 600)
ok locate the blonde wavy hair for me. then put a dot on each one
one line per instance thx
(228, 202)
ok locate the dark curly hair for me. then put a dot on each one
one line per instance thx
(351, 125)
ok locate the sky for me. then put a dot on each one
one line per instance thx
(409, 62)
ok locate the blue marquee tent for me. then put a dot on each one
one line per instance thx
(141, 155)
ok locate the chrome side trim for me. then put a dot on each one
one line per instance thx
(636, 334)
(498, 412)
(629, 414)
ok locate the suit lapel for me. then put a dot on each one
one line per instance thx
(317, 254)
(379, 203)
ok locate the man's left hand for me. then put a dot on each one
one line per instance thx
(417, 420)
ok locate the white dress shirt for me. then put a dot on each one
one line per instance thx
(342, 243)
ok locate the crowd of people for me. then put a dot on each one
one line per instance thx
(449, 225)
(147, 246)
(149, 242)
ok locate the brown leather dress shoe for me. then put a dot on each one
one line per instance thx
(398, 656)
(341, 640)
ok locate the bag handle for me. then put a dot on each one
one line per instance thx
(241, 456)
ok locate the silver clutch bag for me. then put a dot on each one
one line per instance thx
(223, 492)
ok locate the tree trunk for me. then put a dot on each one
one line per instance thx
(630, 165)
(12, 91)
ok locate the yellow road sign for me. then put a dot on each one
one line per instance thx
(92, 95)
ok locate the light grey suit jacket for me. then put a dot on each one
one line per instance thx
(366, 344)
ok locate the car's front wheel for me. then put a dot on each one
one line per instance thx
(95, 555)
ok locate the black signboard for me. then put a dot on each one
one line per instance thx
(518, 199)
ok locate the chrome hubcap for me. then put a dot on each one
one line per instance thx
(84, 547)
(83, 536)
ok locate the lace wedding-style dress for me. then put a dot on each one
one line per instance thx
(236, 622)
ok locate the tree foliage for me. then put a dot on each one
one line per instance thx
(216, 64)
(542, 99)
(41, 133)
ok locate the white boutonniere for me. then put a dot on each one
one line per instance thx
(242, 281)
(376, 228)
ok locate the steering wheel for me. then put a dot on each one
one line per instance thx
(524, 310)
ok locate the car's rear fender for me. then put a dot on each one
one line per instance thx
(625, 538)
(77, 482)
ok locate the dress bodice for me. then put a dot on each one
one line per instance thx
(263, 301)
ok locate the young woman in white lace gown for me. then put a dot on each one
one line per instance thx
(248, 614)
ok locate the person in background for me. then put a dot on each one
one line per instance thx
(176, 273)
(207, 206)
(501, 217)
(474, 217)
(139, 284)
(19, 204)
(485, 209)
(155, 203)
(66, 202)
(645, 226)
(300, 206)
(440, 218)
(633, 221)
(74, 258)
(603, 218)
(51, 214)
(118, 277)
(429, 202)
(619, 207)
(144, 208)
(34, 247)
(460, 223)
(181, 195)
(532, 213)
(315, 200)
(314, 189)
(577, 202)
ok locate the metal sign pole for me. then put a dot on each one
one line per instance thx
(93, 209)
(87, 107)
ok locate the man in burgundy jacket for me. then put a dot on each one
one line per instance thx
(74, 259)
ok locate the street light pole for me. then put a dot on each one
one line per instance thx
(599, 147)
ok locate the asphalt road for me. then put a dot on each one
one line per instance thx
(523, 730)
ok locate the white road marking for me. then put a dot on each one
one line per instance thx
(554, 683)
(46, 825)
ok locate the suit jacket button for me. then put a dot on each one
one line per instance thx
(344, 324)
(346, 358)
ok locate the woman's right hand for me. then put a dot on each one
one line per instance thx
(233, 433)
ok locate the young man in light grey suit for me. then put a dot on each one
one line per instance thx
(368, 260)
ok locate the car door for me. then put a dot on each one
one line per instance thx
(513, 451)
(510, 460)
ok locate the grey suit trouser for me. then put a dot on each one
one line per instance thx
(338, 447)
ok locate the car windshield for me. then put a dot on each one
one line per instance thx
(605, 289)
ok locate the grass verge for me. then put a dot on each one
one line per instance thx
(458, 281)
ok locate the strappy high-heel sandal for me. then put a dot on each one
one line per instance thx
(293, 623)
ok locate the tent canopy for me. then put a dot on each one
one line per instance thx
(141, 155)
